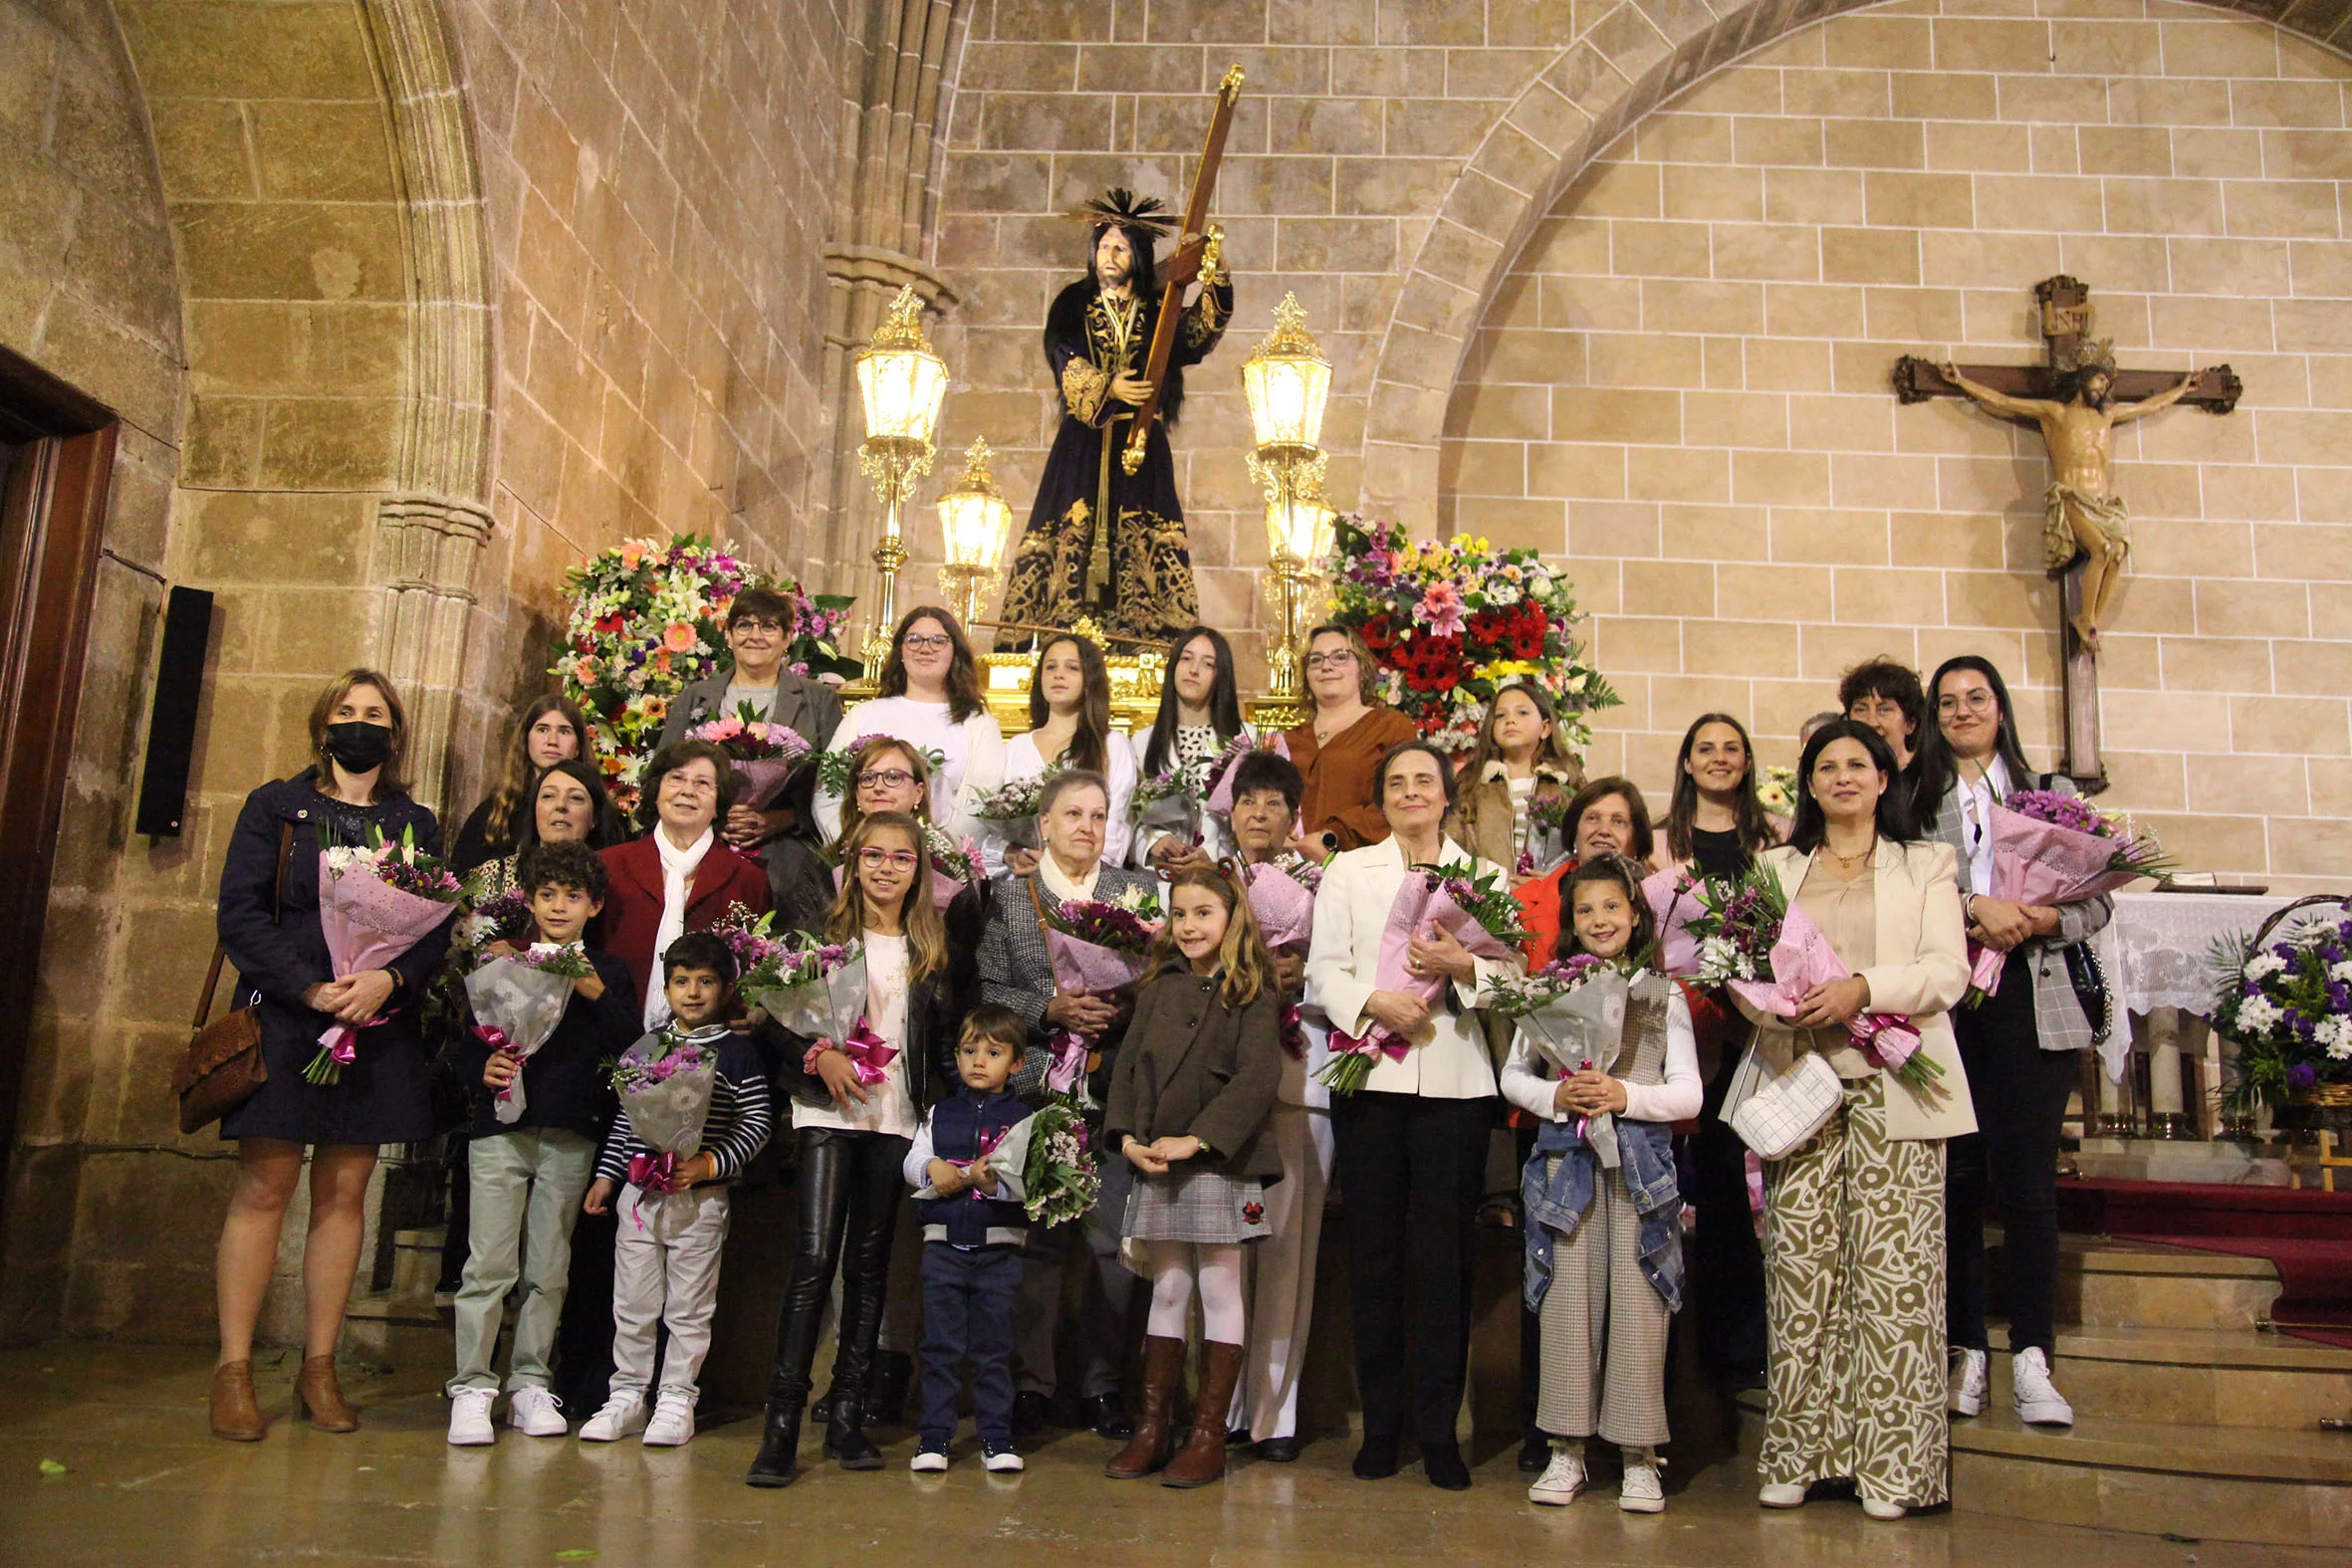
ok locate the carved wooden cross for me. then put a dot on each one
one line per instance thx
(2065, 323)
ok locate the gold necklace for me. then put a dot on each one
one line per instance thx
(1854, 862)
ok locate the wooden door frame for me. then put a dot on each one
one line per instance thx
(44, 638)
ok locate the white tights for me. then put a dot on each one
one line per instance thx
(1175, 1265)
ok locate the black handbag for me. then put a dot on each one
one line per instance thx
(2090, 989)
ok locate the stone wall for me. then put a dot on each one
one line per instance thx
(1682, 386)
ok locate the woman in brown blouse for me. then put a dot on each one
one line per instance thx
(1338, 748)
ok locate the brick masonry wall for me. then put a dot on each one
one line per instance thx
(1682, 385)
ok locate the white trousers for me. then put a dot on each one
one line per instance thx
(665, 1271)
(1281, 1306)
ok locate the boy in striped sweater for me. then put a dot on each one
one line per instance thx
(666, 1264)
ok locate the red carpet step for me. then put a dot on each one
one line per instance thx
(2306, 1236)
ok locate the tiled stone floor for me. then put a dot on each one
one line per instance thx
(144, 1484)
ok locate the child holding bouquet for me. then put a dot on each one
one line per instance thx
(529, 1171)
(1854, 1263)
(705, 1082)
(973, 1228)
(1189, 1107)
(1604, 1248)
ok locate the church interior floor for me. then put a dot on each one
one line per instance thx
(142, 1482)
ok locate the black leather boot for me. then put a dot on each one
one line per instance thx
(846, 1438)
(885, 1401)
(778, 1461)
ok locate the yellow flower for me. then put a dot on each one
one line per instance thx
(1504, 669)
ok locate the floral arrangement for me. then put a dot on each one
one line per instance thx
(1547, 817)
(649, 619)
(1171, 799)
(499, 917)
(812, 988)
(2131, 854)
(1775, 789)
(836, 768)
(750, 938)
(1126, 924)
(953, 858)
(1514, 998)
(1307, 874)
(664, 1083)
(1482, 896)
(1011, 803)
(567, 961)
(634, 1074)
(747, 738)
(2053, 848)
(1452, 621)
(2288, 1006)
(375, 904)
(1058, 1180)
(1737, 922)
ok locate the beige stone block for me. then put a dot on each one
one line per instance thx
(1780, 252)
(1738, 89)
(1685, 474)
(1514, 523)
(2105, 47)
(311, 250)
(1883, 596)
(1638, 359)
(1573, 246)
(1482, 468)
(1739, 647)
(2301, 209)
(1870, 256)
(1818, 535)
(1726, 364)
(200, 149)
(1867, 479)
(1829, 650)
(1797, 195)
(1683, 138)
(2329, 783)
(1813, 310)
(2211, 325)
(1999, 599)
(1977, 541)
(1777, 142)
(1668, 587)
(1721, 533)
(2304, 550)
(1767, 592)
(1671, 250)
(2055, 101)
(1614, 528)
(1922, 317)
(1435, 128)
(2290, 435)
(2309, 105)
(2292, 725)
(1783, 365)
(2220, 49)
(1676, 305)
(1945, 97)
(1717, 194)
(1781, 479)
(1528, 355)
(1626, 415)
(2132, 262)
(1616, 190)
(2166, 206)
(2126, 150)
(321, 152)
(2207, 152)
(297, 51)
(1971, 43)
(1896, 43)
(2257, 268)
(2319, 325)
(1651, 644)
(1841, 423)
(1874, 145)
(1593, 304)
(1839, 92)
(2167, 547)
(2215, 664)
(1581, 469)
(2317, 267)
(1390, 186)
(2228, 607)
(2319, 849)
(1506, 413)
(1737, 419)
(1895, 199)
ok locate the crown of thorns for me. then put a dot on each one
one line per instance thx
(1124, 207)
(2094, 354)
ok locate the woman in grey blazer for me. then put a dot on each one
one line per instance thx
(2022, 1044)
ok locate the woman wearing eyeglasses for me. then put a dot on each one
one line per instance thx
(931, 698)
(856, 1106)
(2022, 1044)
(1338, 748)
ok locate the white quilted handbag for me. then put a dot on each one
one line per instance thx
(1781, 1116)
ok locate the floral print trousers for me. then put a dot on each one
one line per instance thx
(1854, 1292)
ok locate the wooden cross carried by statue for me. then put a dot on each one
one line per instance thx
(1197, 255)
(2076, 400)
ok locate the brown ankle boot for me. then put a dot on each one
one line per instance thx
(1201, 1460)
(1147, 1451)
(316, 1391)
(234, 1414)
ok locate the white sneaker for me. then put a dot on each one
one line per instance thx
(2039, 1404)
(623, 1416)
(1561, 1479)
(1000, 1461)
(672, 1426)
(1642, 1491)
(928, 1462)
(1971, 1381)
(1883, 1510)
(469, 1417)
(1781, 1494)
(536, 1413)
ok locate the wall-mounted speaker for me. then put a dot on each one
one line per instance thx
(171, 728)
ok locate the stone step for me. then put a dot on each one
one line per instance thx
(386, 1328)
(2149, 1477)
(2105, 1283)
(2240, 1378)
(416, 1262)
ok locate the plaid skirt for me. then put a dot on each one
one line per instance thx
(1206, 1206)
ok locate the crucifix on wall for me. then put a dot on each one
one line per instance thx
(2076, 400)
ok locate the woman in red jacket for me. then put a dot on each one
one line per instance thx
(680, 877)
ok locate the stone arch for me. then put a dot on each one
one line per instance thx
(1634, 58)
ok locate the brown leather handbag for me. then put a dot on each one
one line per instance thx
(222, 1067)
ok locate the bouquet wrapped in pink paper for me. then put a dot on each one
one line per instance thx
(375, 904)
(1217, 798)
(517, 1002)
(1473, 907)
(1100, 947)
(1283, 903)
(664, 1082)
(955, 864)
(1771, 954)
(764, 753)
(2051, 848)
(1673, 895)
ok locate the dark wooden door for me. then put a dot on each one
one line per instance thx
(56, 452)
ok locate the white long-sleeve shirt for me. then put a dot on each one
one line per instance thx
(974, 750)
(1023, 760)
(1675, 1100)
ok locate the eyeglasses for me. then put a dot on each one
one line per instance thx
(1975, 700)
(895, 859)
(928, 642)
(1330, 661)
(885, 779)
(757, 623)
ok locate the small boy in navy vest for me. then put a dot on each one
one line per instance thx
(970, 1243)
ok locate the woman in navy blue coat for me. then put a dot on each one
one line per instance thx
(358, 734)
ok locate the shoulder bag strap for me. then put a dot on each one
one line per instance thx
(1037, 904)
(220, 949)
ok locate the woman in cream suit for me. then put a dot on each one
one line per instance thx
(1411, 1144)
(1854, 1244)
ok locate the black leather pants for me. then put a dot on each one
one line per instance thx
(847, 1189)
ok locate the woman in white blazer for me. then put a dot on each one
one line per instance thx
(1411, 1144)
(1854, 1241)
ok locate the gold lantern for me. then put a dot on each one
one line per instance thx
(901, 383)
(1289, 383)
(973, 518)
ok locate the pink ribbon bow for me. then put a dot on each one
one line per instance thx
(1070, 1060)
(868, 1053)
(1887, 1037)
(1294, 1034)
(496, 1038)
(1376, 1040)
(987, 1146)
(653, 1172)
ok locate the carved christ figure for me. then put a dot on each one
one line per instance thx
(1102, 543)
(2082, 516)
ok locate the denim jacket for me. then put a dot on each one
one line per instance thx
(1556, 1201)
